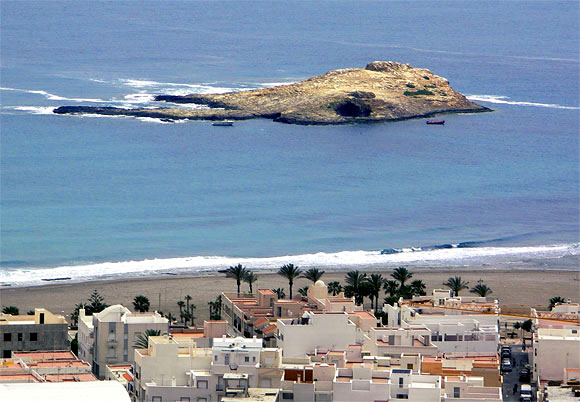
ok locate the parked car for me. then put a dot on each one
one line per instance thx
(525, 392)
(506, 354)
(506, 365)
(525, 374)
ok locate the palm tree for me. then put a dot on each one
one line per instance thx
(141, 303)
(335, 288)
(181, 304)
(215, 308)
(481, 290)
(303, 291)
(170, 317)
(313, 274)
(12, 310)
(237, 272)
(402, 275)
(290, 272)
(556, 300)
(418, 288)
(355, 279)
(187, 300)
(279, 293)
(456, 285)
(250, 278)
(142, 340)
(376, 284)
(391, 287)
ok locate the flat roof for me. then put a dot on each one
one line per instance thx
(94, 391)
(57, 355)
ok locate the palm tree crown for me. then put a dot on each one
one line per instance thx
(335, 288)
(290, 272)
(355, 280)
(237, 272)
(556, 300)
(418, 288)
(141, 303)
(376, 284)
(313, 274)
(456, 285)
(481, 290)
(250, 278)
(402, 275)
(391, 287)
(142, 340)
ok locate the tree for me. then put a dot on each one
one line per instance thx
(405, 291)
(74, 317)
(313, 274)
(354, 280)
(96, 303)
(279, 293)
(141, 303)
(187, 300)
(181, 305)
(391, 287)
(481, 289)
(376, 284)
(303, 291)
(142, 339)
(402, 275)
(237, 272)
(556, 300)
(290, 272)
(170, 317)
(334, 288)
(250, 278)
(456, 284)
(418, 288)
(364, 290)
(527, 325)
(12, 310)
(215, 309)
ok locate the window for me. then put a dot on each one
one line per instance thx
(20, 337)
(33, 337)
(202, 384)
(410, 366)
(7, 354)
(402, 396)
(247, 359)
(254, 359)
(184, 399)
(7, 337)
(456, 392)
(400, 382)
(201, 399)
(156, 399)
(226, 359)
(288, 395)
(535, 352)
(279, 312)
(215, 358)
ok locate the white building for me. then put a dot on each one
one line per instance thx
(171, 371)
(94, 391)
(555, 349)
(330, 330)
(114, 333)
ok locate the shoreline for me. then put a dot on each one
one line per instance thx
(515, 285)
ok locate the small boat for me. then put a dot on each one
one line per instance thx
(441, 122)
(224, 123)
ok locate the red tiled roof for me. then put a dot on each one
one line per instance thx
(270, 328)
(127, 377)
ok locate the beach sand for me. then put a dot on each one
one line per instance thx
(512, 287)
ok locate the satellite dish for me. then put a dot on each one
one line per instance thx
(233, 366)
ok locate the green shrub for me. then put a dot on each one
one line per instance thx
(431, 86)
(418, 92)
(410, 85)
(425, 77)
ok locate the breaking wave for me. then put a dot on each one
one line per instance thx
(457, 256)
(505, 100)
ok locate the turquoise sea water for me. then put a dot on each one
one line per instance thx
(84, 196)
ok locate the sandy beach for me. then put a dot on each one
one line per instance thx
(513, 287)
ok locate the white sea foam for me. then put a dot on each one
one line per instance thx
(50, 96)
(345, 259)
(175, 88)
(505, 100)
(33, 109)
(159, 121)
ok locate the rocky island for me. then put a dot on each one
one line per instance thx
(382, 91)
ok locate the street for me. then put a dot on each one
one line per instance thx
(519, 359)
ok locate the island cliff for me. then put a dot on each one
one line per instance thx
(383, 91)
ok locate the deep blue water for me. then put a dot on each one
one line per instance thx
(88, 190)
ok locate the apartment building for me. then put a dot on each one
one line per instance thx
(486, 367)
(555, 348)
(111, 340)
(41, 331)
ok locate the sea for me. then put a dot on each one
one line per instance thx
(93, 197)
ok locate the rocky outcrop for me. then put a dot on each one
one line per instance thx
(382, 91)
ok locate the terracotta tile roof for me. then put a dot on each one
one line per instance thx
(260, 321)
(127, 377)
(59, 355)
(270, 328)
